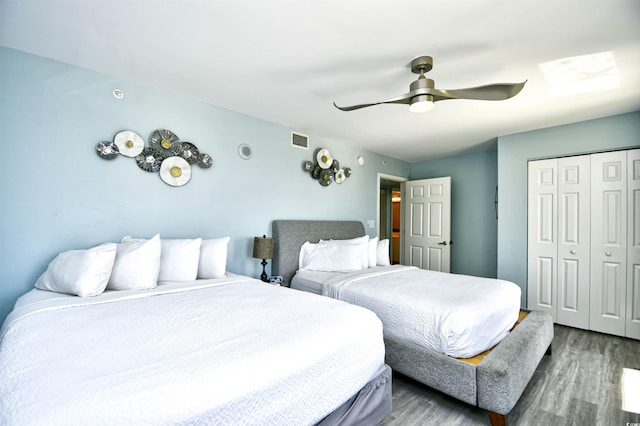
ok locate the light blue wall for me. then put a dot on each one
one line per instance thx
(57, 194)
(473, 220)
(514, 151)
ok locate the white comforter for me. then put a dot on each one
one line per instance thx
(457, 315)
(236, 351)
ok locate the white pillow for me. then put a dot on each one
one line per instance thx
(179, 259)
(305, 254)
(79, 272)
(137, 265)
(213, 258)
(334, 258)
(382, 253)
(373, 252)
(362, 242)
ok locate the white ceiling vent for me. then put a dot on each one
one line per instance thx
(299, 140)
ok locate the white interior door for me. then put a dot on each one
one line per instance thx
(574, 221)
(608, 242)
(427, 223)
(633, 245)
(542, 229)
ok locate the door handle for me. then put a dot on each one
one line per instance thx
(607, 253)
(444, 243)
(572, 251)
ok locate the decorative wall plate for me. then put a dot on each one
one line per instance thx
(107, 150)
(324, 158)
(204, 160)
(166, 142)
(326, 177)
(129, 143)
(189, 152)
(315, 173)
(340, 176)
(175, 171)
(149, 160)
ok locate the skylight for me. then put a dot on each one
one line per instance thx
(581, 74)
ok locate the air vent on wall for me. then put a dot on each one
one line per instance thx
(299, 140)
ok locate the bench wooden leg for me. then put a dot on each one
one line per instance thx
(497, 419)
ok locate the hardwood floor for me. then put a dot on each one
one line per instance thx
(579, 384)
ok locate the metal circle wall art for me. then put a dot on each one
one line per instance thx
(326, 169)
(129, 143)
(166, 154)
(107, 150)
(175, 171)
(149, 160)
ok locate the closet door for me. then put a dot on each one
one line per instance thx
(608, 242)
(633, 245)
(542, 236)
(572, 307)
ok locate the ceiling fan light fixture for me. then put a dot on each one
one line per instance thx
(421, 103)
(422, 92)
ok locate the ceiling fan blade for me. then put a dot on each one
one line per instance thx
(490, 92)
(404, 99)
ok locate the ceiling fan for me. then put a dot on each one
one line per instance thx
(422, 93)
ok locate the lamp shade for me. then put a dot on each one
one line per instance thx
(262, 247)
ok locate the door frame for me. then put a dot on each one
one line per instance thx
(393, 178)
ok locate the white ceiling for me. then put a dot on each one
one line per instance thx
(286, 61)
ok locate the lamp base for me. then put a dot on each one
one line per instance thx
(264, 277)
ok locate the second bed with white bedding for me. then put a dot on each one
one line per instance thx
(457, 315)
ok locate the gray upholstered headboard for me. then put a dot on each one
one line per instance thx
(289, 235)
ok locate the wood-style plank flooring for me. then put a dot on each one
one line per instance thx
(579, 384)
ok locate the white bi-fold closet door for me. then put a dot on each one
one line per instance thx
(584, 241)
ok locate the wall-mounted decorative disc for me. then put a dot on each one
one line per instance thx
(129, 143)
(149, 160)
(189, 152)
(315, 173)
(326, 177)
(107, 150)
(307, 166)
(324, 158)
(165, 141)
(204, 160)
(340, 176)
(175, 171)
(347, 172)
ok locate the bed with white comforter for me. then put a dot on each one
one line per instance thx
(429, 318)
(224, 351)
(446, 313)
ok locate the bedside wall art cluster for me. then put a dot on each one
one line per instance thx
(166, 154)
(326, 169)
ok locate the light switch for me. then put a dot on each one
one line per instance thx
(372, 223)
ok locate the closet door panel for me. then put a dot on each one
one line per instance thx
(542, 263)
(608, 242)
(633, 246)
(574, 182)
